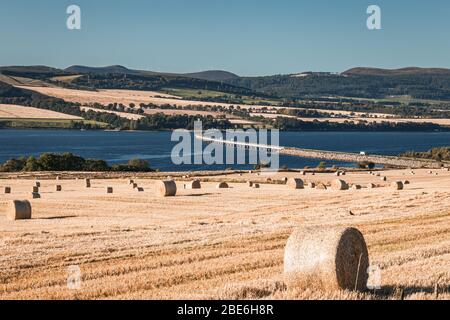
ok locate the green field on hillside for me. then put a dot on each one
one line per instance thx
(209, 95)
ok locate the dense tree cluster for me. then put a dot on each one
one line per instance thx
(438, 154)
(292, 124)
(70, 162)
(420, 86)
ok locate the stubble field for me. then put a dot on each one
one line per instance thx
(218, 243)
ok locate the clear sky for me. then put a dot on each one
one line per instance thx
(248, 37)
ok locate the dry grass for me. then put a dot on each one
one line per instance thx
(213, 243)
(8, 111)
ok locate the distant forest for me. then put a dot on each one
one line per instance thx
(419, 86)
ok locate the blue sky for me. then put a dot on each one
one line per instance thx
(248, 37)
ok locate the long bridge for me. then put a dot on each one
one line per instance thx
(333, 155)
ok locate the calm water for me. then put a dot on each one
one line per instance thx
(118, 147)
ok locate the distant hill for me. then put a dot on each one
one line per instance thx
(101, 70)
(210, 75)
(419, 83)
(396, 72)
(361, 82)
(34, 72)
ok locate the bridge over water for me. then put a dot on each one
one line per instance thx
(333, 155)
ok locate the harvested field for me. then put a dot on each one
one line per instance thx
(214, 243)
(8, 111)
(126, 115)
(126, 97)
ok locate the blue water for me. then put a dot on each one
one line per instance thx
(156, 147)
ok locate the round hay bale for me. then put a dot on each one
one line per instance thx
(321, 186)
(88, 183)
(35, 189)
(378, 174)
(370, 186)
(250, 184)
(37, 184)
(109, 190)
(166, 188)
(58, 188)
(140, 189)
(222, 185)
(312, 185)
(269, 180)
(194, 185)
(35, 195)
(131, 181)
(295, 183)
(397, 185)
(303, 173)
(335, 258)
(7, 190)
(134, 185)
(343, 173)
(356, 187)
(406, 182)
(256, 186)
(285, 180)
(339, 184)
(18, 210)
(337, 173)
(383, 179)
(58, 178)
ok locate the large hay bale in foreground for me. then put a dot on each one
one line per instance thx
(194, 185)
(166, 188)
(295, 183)
(397, 185)
(339, 184)
(222, 185)
(334, 258)
(18, 210)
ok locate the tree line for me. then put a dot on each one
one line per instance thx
(70, 162)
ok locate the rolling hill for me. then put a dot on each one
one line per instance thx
(209, 75)
(410, 71)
